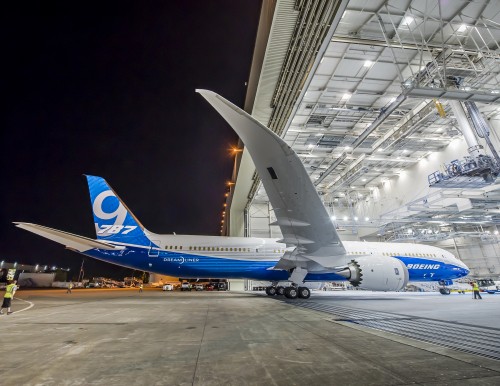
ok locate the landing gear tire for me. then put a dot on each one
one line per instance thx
(271, 291)
(444, 291)
(280, 291)
(304, 293)
(291, 293)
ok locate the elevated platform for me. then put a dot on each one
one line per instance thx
(464, 182)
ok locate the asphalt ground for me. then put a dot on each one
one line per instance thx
(121, 336)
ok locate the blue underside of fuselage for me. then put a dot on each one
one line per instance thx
(185, 265)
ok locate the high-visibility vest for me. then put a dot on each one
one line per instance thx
(9, 291)
(476, 287)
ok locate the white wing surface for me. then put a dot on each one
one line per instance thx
(69, 240)
(302, 217)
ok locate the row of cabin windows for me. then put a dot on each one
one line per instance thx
(410, 254)
(225, 249)
(218, 249)
(392, 254)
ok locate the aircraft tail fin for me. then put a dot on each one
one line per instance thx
(114, 222)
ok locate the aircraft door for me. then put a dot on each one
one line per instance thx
(153, 250)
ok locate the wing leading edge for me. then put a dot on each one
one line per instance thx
(301, 216)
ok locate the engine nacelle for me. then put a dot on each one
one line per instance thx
(377, 273)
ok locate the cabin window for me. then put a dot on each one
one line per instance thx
(190, 248)
(180, 247)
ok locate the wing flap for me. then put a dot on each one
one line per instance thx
(69, 240)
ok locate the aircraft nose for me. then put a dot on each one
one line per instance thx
(463, 271)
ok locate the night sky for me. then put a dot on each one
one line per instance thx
(107, 89)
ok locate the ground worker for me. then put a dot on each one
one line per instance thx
(70, 287)
(475, 288)
(10, 290)
(140, 288)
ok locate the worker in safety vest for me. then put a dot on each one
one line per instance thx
(10, 290)
(475, 288)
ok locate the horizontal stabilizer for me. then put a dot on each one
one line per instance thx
(71, 241)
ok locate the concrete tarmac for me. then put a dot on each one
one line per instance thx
(121, 336)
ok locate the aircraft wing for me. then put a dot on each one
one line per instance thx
(302, 217)
(71, 241)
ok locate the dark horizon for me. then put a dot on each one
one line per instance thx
(108, 90)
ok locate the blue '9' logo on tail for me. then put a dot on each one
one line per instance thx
(113, 221)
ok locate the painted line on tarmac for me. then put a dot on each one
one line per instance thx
(31, 305)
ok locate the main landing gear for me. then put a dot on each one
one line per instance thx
(292, 292)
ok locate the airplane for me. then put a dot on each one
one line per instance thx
(310, 250)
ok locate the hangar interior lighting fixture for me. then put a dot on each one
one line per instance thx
(407, 20)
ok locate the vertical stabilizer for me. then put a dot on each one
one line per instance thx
(114, 222)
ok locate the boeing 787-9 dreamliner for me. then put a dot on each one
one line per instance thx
(310, 249)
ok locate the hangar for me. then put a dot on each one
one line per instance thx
(393, 108)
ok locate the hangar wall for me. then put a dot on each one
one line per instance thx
(481, 254)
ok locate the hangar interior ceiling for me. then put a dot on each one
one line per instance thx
(372, 117)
